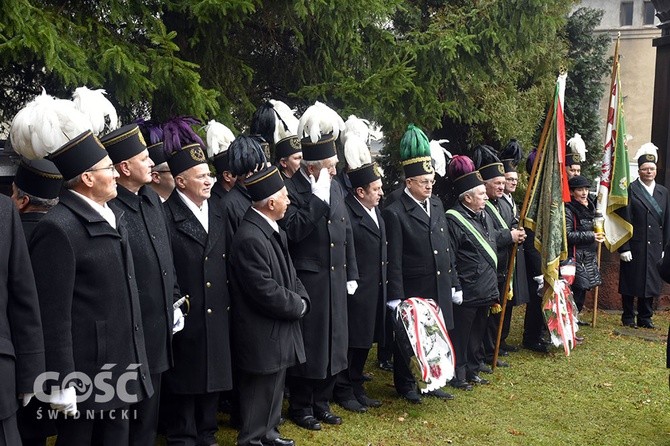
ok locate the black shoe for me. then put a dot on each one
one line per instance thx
(540, 347)
(509, 347)
(501, 363)
(502, 352)
(412, 396)
(484, 368)
(368, 402)
(646, 324)
(462, 385)
(307, 422)
(583, 323)
(328, 418)
(279, 442)
(386, 365)
(629, 324)
(441, 394)
(353, 406)
(367, 377)
(476, 379)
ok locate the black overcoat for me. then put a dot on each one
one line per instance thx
(202, 359)
(322, 248)
(235, 204)
(651, 232)
(266, 299)
(21, 342)
(420, 258)
(149, 239)
(29, 220)
(88, 297)
(366, 306)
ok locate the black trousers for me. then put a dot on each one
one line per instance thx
(466, 337)
(34, 428)
(533, 321)
(190, 420)
(403, 380)
(144, 423)
(260, 407)
(9, 432)
(385, 349)
(492, 327)
(645, 309)
(309, 396)
(109, 428)
(349, 382)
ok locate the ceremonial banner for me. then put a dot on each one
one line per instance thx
(546, 208)
(614, 178)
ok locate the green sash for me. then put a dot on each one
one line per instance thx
(496, 214)
(478, 236)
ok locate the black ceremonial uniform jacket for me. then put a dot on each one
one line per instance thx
(651, 232)
(235, 204)
(420, 259)
(29, 220)
(266, 299)
(503, 235)
(366, 305)
(202, 361)
(149, 239)
(322, 248)
(88, 298)
(21, 341)
(218, 192)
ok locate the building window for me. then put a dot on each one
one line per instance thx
(626, 14)
(649, 13)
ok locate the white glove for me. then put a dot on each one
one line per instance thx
(456, 296)
(25, 398)
(64, 400)
(392, 304)
(540, 284)
(321, 187)
(178, 324)
(626, 256)
(352, 286)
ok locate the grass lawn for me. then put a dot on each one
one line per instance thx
(612, 390)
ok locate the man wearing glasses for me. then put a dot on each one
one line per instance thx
(420, 260)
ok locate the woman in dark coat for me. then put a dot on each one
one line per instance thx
(582, 241)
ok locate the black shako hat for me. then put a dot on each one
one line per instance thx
(572, 159)
(39, 178)
(491, 171)
(264, 183)
(578, 181)
(221, 162)
(323, 149)
(468, 181)
(509, 165)
(646, 158)
(78, 155)
(364, 175)
(186, 157)
(124, 143)
(287, 146)
(157, 153)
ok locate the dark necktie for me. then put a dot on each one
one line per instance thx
(424, 204)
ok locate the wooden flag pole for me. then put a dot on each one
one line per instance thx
(595, 292)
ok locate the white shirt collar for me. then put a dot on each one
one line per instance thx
(649, 188)
(371, 212)
(427, 209)
(104, 210)
(201, 213)
(271, 222)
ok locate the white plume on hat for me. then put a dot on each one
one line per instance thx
(97, 109)
(357, 127)
(578, 146)
(287, 115)
(219, 138)
(439, 155)
(318, 120)
(45, 124)
(647, 149)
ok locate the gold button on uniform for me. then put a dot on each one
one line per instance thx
(208, 284)
(209, 311)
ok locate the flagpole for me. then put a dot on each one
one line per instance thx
(522, 216)
(598, 204)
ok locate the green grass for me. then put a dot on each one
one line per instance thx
(612, 390)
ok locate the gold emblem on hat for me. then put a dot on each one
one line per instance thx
(427, 166)
(197, 154)
(650, 157)
(295, 143)
(500, 169)
(479, 175)
(376, 171)
(139, 135)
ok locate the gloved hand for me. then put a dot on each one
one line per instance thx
(626, 256)
(352, 286)
(321, 187)
(64, 400)
(304, 307)
(540, 284)
(178, 324)
(456, 296)
(393, 304)
(25, 398)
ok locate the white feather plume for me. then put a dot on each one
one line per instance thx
(439, 154)
(357, 127)
(97, 108)
(578, 146)
(356, 152)
(318, 120)
(219, 138)
(647, 149)
(288, 116)
(44, 125)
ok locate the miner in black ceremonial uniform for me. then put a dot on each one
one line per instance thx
(202, 358)
(149, 240)
(88, 298)
(268, 301)
(322, 248)
(420, 260)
